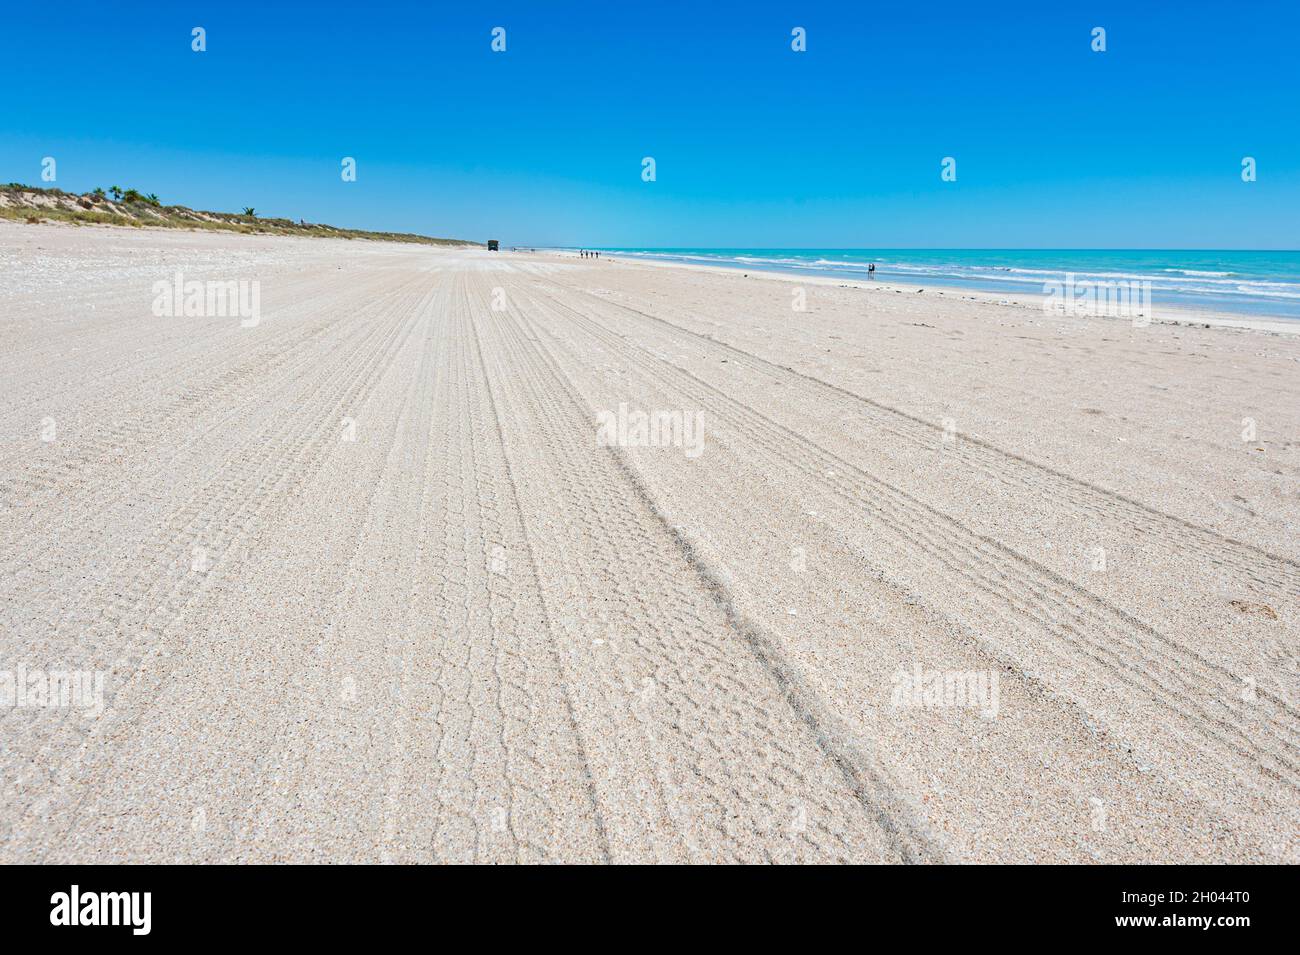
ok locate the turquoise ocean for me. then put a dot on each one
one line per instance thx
(1246, 283)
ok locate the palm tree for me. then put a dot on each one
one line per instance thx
(250, 211)
(153, 199)
(99, 192)
(132, 195)
(116, 192)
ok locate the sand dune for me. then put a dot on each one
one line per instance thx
(396, 574)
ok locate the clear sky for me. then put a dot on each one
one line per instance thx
(755, 145)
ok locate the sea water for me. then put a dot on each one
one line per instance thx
(1246, 283)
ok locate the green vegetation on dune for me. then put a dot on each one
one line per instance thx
(130, 207)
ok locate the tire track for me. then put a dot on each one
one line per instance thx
(1272, 572)
(1018, 589)
(702, 685)
(147, 600)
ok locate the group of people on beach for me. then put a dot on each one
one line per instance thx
(587, 255)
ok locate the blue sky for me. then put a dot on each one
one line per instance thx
(755, 145)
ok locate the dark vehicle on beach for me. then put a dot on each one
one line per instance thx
(493, 245)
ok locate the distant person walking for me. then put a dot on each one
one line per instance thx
(871, 270)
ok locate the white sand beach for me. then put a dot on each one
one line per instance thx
(394, 574)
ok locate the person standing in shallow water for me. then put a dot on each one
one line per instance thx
(871, 270)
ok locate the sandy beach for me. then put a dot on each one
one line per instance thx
(451, 556)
